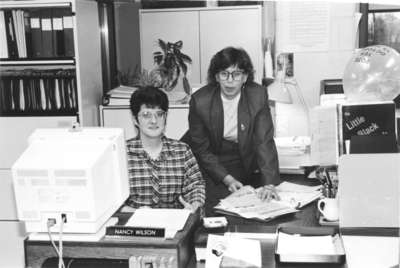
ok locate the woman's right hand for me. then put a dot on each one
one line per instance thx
(232, 184)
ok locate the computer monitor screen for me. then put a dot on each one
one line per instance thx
(77, 175)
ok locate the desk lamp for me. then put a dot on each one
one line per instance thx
(279, 91)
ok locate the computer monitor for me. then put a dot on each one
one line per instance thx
(80, 175)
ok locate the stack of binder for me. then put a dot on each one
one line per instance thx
(36, 33)
(35, 92)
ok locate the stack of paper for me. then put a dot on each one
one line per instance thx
(299, 244)
(298, 195)
(245, 202)
(248, 205)
(296, 145)
(172, 220)
(293, 153)
(119, 96)
(223, 251)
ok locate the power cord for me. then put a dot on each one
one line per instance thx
(51, 223)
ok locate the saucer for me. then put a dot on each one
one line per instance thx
(323, 221)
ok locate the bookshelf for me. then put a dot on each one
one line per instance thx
(43, 40)
(52, 80)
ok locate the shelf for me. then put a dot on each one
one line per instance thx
(50, 61)
(30, 4)
(38, 113)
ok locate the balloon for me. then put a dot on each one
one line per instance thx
(372, 74)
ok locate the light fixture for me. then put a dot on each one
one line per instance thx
(278, 91)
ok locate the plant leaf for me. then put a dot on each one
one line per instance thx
(162, 45)
(182, 65)
(174, 82)
(158, 57)
(178, 45)
(186, 58)
(186, 86)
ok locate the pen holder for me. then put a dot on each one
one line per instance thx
(328, 177)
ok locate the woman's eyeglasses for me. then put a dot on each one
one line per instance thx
(149, 115)
(236, 75)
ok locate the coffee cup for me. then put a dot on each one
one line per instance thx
(329, 208)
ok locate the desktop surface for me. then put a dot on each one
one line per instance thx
(116, 253)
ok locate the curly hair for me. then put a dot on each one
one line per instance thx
(230, 56)
(150, 96)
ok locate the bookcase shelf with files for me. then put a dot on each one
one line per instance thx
(50, 76)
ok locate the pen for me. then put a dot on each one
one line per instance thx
(329, 182)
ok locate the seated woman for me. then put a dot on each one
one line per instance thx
(163, 173)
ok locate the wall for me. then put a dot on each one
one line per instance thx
(310, 65)
(320, 52)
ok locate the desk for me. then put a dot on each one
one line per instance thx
(115, 253)
(374, 249)
(307, 216)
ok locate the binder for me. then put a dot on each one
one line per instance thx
(58, 32)
(21, 95)
(74, 93)
(28, 33)
(27, 91)
(47, 33)
(36, 34)
(21, 18)
(18, 23)
(15, 94)
(60, 82)
(3, 37)
(11, 38)
(7, 93)
(68, 33)
(2, 97)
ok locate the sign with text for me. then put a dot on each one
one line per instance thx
(135, 231)
(366, 119)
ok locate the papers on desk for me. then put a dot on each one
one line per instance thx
(296, 145)
(172, 220)
(310, 245)
(298, 195)
(245, 202)
(293, 153)
(223, 251)
(298, 244)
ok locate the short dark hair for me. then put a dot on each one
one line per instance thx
(150, 96)
(227, 57)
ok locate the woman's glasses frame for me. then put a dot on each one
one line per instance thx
(236, 75)
(147, 115)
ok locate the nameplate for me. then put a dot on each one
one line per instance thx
(135, 231)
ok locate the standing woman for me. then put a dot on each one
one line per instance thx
(231, 130)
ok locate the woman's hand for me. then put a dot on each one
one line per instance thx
(186, 205)
(232, 184)
(267, 192)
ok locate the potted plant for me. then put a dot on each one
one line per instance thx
(171, 65)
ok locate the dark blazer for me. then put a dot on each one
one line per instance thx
(255, 132)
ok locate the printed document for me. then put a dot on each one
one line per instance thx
(299, 245)
(225, 251)
(245, 202)
(172, 220)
